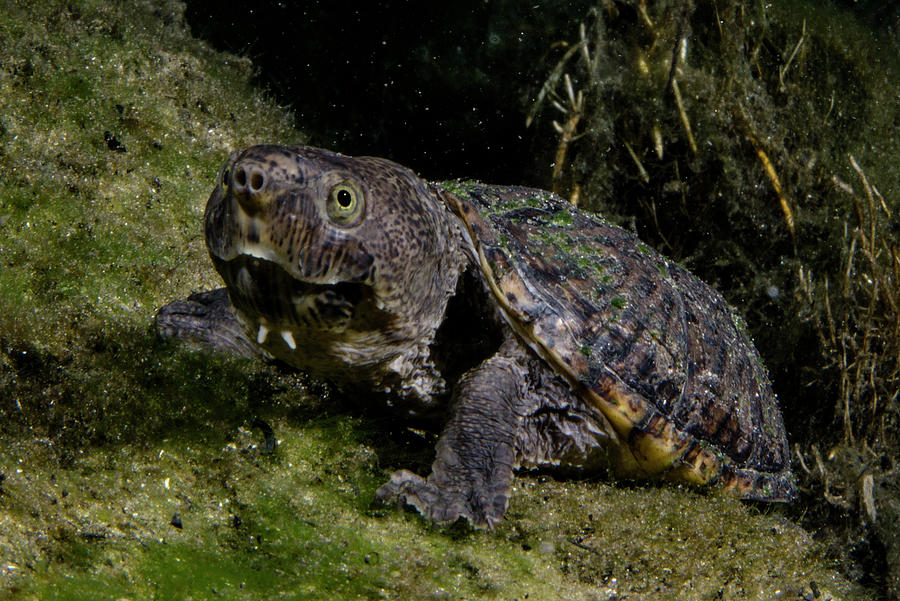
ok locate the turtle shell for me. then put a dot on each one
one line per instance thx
(656, 351)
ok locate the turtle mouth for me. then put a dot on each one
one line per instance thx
(270, 297)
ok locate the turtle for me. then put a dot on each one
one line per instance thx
(537, 335)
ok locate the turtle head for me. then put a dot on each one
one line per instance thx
(332, 261)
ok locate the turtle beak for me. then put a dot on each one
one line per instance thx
(265, 293)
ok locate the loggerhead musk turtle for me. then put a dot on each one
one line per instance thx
(543, 335)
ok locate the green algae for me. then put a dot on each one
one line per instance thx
(618, 302)
(109, 433)
(561, 218)
(300, 522)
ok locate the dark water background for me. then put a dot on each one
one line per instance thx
(440, 87)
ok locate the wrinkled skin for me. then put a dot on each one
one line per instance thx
(360, 273)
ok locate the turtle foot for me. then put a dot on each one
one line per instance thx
(208, 320)
(443, 505)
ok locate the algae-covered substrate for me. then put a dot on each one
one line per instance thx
(133, 468)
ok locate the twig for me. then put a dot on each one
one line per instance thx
(744, 124)
(868, 498)
(575, 196)
(830, 108)
(800, 458)
(718, 19)
(644, 175)
(869, 197)
(583, 45)
(680, 43)
(549, 84)
(783, 70)
(567, 131)
(658, 141)
(684, 118)
(642, 9)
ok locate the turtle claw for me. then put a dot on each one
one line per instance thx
(442, 505)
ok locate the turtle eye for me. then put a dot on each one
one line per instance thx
(225, 178)
(345, 204)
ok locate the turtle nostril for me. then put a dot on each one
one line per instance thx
(249, 183)
(257, 180)
(240, 177)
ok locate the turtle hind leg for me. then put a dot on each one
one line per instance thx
(207, 319)
(476, 453)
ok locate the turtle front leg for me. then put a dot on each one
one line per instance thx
(207, 319)
(476, 453)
